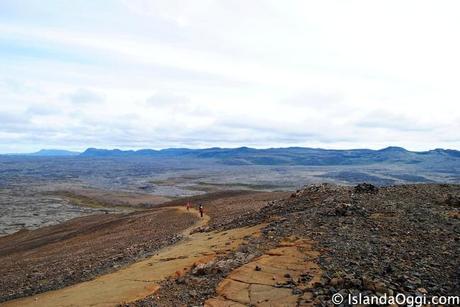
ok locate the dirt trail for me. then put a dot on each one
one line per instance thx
(142, 278)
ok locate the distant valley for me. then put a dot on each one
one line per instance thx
(52, 185)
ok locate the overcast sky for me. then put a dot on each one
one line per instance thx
(155, 74)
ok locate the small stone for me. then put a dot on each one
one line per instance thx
(380, 287)
(258, 268)
(297, 291)
(422, 290)
(180, 280)
(356, 283)
(336, 281)
(368, 284)
(202, 269)
(365, 188)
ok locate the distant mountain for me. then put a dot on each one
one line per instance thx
(290, 155)
(54, 153)
(169, 152)
(94, 152)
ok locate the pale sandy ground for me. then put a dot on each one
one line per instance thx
(142, 278)
(247, 286)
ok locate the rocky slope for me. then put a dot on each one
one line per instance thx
(399, 239)
(309, 245)
(57, 256)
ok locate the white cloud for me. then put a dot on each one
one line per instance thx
(84, 96)
(210, 73)
(167, 99)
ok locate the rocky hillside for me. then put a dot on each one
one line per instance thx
(399, 239)
(250, 249)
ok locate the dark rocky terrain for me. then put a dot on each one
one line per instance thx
(374, 241)
(369, 240)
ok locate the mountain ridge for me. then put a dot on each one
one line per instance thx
(273, 156)
(144, 151)
(288, 155)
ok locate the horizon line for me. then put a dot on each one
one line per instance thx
(78, 152)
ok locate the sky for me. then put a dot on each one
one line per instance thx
(136, 74)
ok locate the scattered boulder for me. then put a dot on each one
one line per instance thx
(342, 209)
(453, 201)
(365, 188)
(422, 291)
(336, 281)
(223, 266)
(368, 284)
(202, 268)
(200, 229)
(181, 280)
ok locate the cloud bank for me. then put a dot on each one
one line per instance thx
(156, 74)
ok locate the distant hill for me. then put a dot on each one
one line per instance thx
(54, 153)
(290, 155)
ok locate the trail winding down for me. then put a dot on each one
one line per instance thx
(142, 278)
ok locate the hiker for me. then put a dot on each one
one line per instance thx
(188, 206)
(201, 210)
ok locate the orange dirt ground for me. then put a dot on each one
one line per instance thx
(141, 279)
(248, 286)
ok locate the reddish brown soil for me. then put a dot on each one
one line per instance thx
(225, 206)
(102, 198)
(80, 249)
(83, 248)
